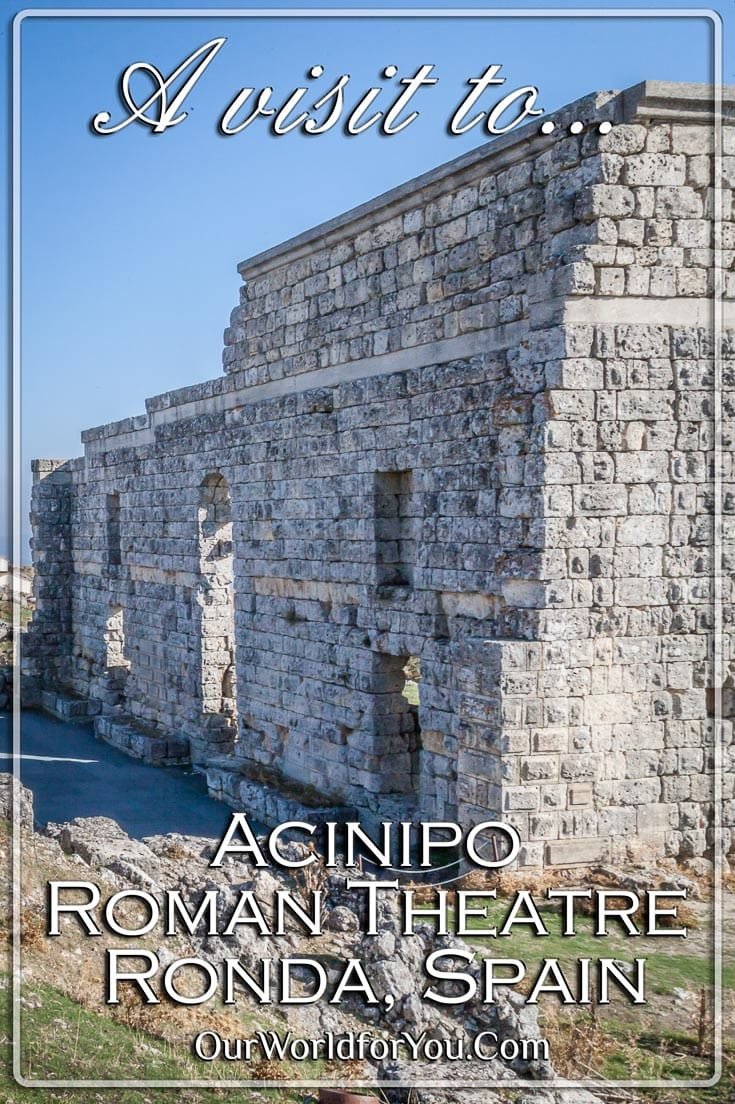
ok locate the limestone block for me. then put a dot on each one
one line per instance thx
(608, 709)
(573, 852)
(655, 169)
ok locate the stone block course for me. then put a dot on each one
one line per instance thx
(472, 424)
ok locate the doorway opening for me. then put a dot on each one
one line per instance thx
(398, 742)
(217, 609)
(117, 664)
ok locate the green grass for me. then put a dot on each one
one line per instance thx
(6, 613)
(63, 1041)
(635, 1041)
(667, 1056)
(411, 692)
(665, 969)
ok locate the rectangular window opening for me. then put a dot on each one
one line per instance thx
(395, 536)
(113, 530)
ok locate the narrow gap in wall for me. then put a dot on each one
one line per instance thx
(397, 725)
(115, 638)
(117, 663)
(217, 603)
(113, 530)
(411, 686)
(395, 539)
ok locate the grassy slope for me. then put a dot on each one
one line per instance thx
(670, 962)
(658, 1041)
(61, 1040)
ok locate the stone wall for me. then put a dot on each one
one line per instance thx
(471, 422)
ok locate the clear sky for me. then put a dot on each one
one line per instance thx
(130, 242)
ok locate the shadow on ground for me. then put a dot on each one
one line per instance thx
(73, 774)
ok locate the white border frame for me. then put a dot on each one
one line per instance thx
(363, 13)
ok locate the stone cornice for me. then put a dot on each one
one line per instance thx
(667, 100)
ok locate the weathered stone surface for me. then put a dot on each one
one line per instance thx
(470, 424)
(342, 919)
(23, 801)
(573, 852)
(151, 746)
(101, 842)
(393, 962)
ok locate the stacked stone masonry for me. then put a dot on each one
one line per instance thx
(473, 422)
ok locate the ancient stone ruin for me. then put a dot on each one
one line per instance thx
(469, 426)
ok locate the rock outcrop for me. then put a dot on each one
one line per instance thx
(394, 962)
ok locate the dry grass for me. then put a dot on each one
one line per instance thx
(269, 1071)
(310, 880)
(170, 1022)
(75, 964)
(577, 1042)
(505, 883)
(175, 851)
(508, 884)
(32, 930)
(351, 1070)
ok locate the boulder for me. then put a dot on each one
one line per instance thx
(342, 919)
(102, 843)
(24, 802)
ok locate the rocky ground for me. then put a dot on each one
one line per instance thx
(69, 969)
(96, 849)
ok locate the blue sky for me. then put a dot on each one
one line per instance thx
(130, 242)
